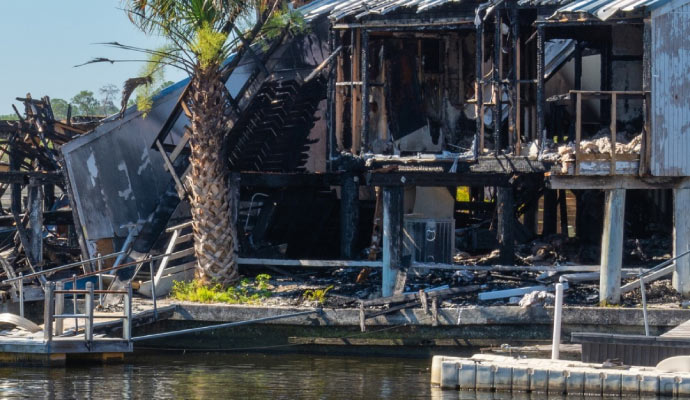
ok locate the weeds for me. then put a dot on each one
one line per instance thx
(318, 295)
(246, 292)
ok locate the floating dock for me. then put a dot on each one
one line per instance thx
(485, 372)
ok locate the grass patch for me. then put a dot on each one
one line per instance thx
(318, 295)
(248, 291)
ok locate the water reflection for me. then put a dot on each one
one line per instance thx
(242, 376)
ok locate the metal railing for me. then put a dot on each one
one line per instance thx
(54, 310)
(643, 291)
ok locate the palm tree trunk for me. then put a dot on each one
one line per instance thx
(215, 233)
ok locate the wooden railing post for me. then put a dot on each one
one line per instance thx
(48, 311)
(59, 308)
(88, 305)
(21, 294)
(127, 321)
(74, 304)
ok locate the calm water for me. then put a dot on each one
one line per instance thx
(238, 376)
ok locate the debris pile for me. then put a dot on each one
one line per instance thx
(598, 144)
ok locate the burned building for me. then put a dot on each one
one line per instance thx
(392, 135)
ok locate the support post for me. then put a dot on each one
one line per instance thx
(563, 210)
(48, 311)
(392, 237)
(349, 215)
(88, 305)
(541, 132)
(681, 240)
(59, 308)
(74, 304)
(331, 141)
(21, 295)
(506, 215)
(550, 217)
(612, 247)
(36, 222)
(498, 93)
(557, 318)
(514, 131)
(153, 288)
(365, 91)
(479, 95)
(99, 263)
(127, 321)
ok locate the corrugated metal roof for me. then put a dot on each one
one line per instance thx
(604, 9)
(339, 9)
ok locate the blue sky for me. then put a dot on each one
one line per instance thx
(42, 40)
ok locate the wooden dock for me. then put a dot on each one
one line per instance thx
(63, 336)
(635, 349)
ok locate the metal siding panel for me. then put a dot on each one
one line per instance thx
(115, 175)
(670, 90)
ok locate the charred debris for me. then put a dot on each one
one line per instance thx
(403, 153)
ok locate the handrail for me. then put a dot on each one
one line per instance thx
(643, 291)
(54, 306)
(63, 267)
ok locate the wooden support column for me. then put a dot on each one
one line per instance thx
(364, 69)
(392, 237)
(478, 143)
(612, 247)
(550, 216)
(681, 240)
(506, 215)
(541, 132)
(563, 211)
(331, 141)
(498, 93)
(16, 188)
(646, 153)
(36, 222)
(514, 130)
(349, 216)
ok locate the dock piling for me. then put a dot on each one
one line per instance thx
(681, 240)
(88, 305)
(48, 311)
(557, 317)
(612, 247)
(59, 308)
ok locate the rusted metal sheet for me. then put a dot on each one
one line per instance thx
(670, 141)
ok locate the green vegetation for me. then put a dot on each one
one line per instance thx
(318, 295)
(246, 292)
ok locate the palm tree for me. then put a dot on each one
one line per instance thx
(202, 33)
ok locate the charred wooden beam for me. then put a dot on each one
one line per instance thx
(498, 96)
(505, 208)
(349, 215)
(58, 217)
(436, 179)
(541, 104)
(364, 68)
(24, 177)
(392, 237)
(479, 97)
(298, 179)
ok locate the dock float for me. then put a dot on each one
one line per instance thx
(487, 372)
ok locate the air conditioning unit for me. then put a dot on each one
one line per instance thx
(429, 240)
